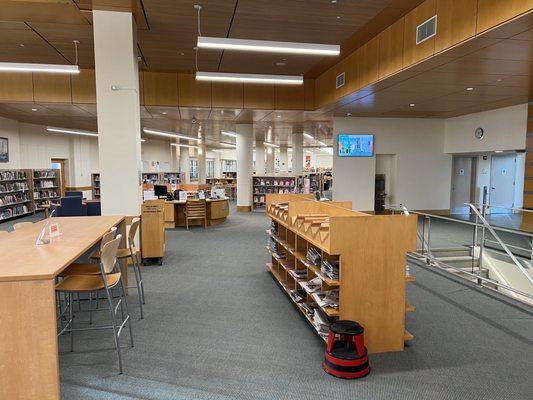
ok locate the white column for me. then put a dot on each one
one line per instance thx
(259, 157)
(218, 164)
(118, 112)
(202, 163)
(185, 166)
(270, 160)
(245, 137)
(297, 153)
(283, 160)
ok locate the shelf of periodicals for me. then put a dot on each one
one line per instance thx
(95, 183)
(335, 263)
(46, 186)
(263, 185)
(228, 182)
(162, 177)
(15, 193)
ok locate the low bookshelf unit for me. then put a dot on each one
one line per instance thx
(46, 186)
(335, 263)
(16, 195)
(263, 185)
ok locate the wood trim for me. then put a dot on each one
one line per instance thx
(244, 208)
(78, 188)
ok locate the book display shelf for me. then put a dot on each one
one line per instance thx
(162, 177)
(15, 193)
(263, 185)
(227, 182)
(335, 263)
(46, 186)
(95, 183)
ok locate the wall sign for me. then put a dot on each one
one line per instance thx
(4, 150)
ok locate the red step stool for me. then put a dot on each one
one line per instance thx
(346, 355)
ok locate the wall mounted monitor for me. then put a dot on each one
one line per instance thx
(355, 145)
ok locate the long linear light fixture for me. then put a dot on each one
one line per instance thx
(308, 136)
(249, 78)
(205, 42)
(233, 146)
(71, 131)
(170, 134)
(27, 67)
(229, 133)
(270, 144)
(184, 145)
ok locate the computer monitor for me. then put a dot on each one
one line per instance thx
(160, 190)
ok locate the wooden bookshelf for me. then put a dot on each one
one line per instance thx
(271, 184)
(16, 195)
(95, 183)
(371, 254)
(46, 186)
(229, 183)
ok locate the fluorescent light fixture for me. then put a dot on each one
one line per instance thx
(217, 150)
(328, 150)
(71, 131)
(322, 144)
(205, 42)
(270, 144)
(143, 140)
(229, 133)
(249, 78)
(170, 134)
(27, 67)
(498, 151)
(184, 145)
(309, 152)
(228, 145)
(308, 136)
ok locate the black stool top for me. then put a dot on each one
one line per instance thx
(345, 327)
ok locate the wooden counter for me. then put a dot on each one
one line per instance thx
(29, 365)
(217, 212)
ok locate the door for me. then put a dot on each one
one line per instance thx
(61, 165)
(462, 184)
(502, 182)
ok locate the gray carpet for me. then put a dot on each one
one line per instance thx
(217, 326)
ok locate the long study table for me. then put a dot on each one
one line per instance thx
(29, 361)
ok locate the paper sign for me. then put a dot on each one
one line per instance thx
(183, 195)
(53, 230)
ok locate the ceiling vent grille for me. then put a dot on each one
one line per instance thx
(426, 30)
(339, 80)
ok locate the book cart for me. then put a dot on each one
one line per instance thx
(369, 252)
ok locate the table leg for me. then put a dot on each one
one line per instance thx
(121, 228)
(29, 359)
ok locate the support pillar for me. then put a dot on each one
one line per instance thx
(185, 165)
(259, 157)
(202, 163)
(270, 160)
(118, 112)
(245, 138)
(283, 160)
(297, 153)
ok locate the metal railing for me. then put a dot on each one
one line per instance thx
(477, 247)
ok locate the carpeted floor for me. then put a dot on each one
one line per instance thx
(217, 326)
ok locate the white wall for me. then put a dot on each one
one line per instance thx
(423, 170)
(504, 129)
(10, 129)
(153, 151)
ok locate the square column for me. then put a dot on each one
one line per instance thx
(185, 166)
(297, 153)
(245, 140)
(259, 157)
(118, 112)
(283, 160)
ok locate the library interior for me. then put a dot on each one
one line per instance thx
(250, 199)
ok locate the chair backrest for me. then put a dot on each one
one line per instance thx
(109, 254)
(73, 194)
(134, 227)
(71, 206)
(195, 209)
(109, 236)
(21, 225)
(94, 208)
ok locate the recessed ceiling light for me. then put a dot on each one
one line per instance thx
(348, 114)
(34, 109)
(281, 64)
(469, 89)
(22, 45)
(412, 105)
(182, 54)
(143, 140)
(339, 17)
(164, 113)
(278, 116)
(333, 1)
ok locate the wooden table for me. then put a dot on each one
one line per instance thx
(217, 212)
(29, 361)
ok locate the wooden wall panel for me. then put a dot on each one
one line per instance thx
(368, 62)
(259, 96)
(456, 22)
(227, 95)
(160, 88)
(52, 88)
(193, 93)
(309, 94)
(494, 12)
(289, 97)
(16, 86)
(338, 68)
(84, 87)
(413, 53)
(352, 81)
(391, 49)
(325, 88)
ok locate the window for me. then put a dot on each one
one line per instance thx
(210, 172)
(229, 166)
(193, 165)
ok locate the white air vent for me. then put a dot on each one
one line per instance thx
(339, 81)
(426, 30)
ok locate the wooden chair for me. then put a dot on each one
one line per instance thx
(195, 210)
(108, 279)
(21, 225)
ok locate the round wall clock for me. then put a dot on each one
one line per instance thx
(479, 133)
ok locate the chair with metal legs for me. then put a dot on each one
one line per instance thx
(131, 253)
(108, 279)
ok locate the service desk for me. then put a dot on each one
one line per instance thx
(217, 212)
(29, 361)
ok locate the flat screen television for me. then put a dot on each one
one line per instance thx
(355, 145)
